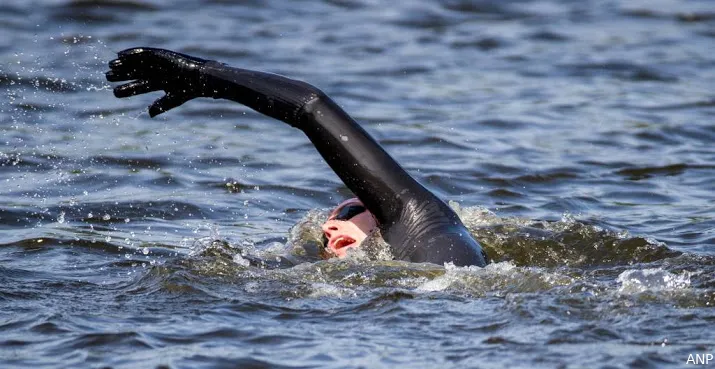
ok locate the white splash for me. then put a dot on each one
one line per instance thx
(656, 279)
(454, 274)
(318, 290)
(238, 259)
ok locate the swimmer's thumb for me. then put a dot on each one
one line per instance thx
(166, 103)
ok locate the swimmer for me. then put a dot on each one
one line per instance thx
(347, 226)
(417, 225)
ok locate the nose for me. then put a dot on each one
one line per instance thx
(329, 227)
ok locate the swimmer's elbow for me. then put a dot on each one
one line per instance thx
(310, 108)
(318, 109)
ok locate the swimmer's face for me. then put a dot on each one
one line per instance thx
(347, 226)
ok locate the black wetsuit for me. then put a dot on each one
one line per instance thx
(419, 226)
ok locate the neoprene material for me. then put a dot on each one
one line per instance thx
(419, 226)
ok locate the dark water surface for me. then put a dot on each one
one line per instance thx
(576, 139)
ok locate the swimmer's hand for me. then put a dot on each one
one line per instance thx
(151, 69)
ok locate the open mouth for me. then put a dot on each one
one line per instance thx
(341, 242)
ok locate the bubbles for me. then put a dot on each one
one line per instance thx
(318, 290)
(373, 248)
(499, 278)
(307, 230)
(239, 260)
(656, 279)
(567, 242)
(474, 216)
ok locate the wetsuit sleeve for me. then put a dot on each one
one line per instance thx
(419, 226)
(360, 162)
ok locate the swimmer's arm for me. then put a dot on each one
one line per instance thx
(362, 164)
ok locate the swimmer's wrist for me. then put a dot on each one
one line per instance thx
(208, 82)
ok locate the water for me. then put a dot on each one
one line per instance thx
(575, 138)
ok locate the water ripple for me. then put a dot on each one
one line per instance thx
(577, 137)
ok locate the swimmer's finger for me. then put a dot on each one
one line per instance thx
(132, 63)
(135, 88)
(115, 64)
(166, 103)
(124, 70)
(142, 57)
(163, 66)
(137, 51)
(135, 57)
(130, 59)
(120, 75)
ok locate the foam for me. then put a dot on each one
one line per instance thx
(655, 279)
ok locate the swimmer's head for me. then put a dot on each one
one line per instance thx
(347, 226)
